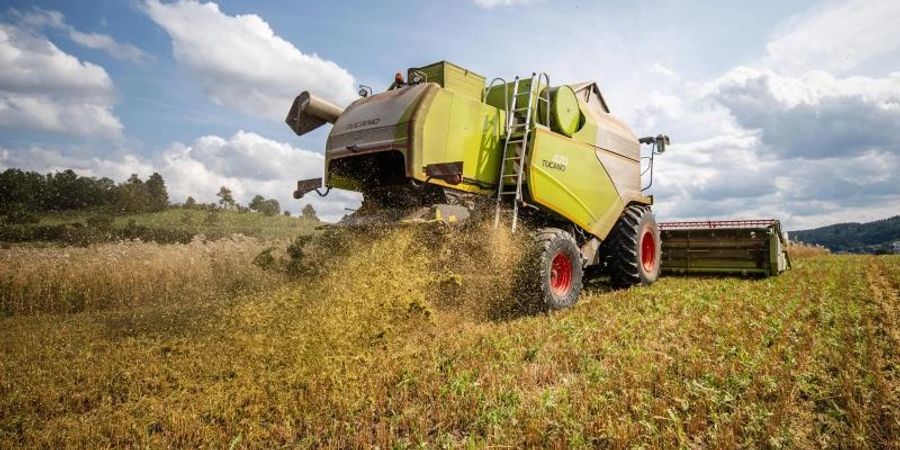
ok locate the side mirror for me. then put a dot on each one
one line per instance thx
(659, 142)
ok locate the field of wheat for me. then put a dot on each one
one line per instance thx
(395, 340)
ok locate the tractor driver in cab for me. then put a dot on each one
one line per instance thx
(398, 82)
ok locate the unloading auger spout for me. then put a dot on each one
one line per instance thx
(310, 112)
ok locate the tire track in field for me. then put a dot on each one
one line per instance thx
(884, 297)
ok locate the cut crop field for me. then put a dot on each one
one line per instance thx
(388, 343)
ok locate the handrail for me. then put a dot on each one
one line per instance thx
(547, 91)
(491, 85)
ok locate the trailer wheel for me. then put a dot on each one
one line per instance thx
(633, 249)
(559, 268)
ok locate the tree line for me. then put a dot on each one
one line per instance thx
(31, 192)
(24, 192)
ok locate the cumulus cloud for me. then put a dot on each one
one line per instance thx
(38, 18)
(735, 177)
(249, 164)
(110, 46)
(488, 4)
(241, 63)
(658, 106)
(792, 135)
(44, 159)
(660, 69)
(836, 36)
(43, 88)
(815, 115)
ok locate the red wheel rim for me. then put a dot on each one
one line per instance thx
(561, 274)
(648, 251)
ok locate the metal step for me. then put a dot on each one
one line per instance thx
(517, 133)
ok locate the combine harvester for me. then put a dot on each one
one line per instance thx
(737, 247)
(447, 147)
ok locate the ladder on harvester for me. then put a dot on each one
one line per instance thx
(515, 145)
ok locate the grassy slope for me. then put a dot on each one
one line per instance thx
(226, 222)
(364, 357)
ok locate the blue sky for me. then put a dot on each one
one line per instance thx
(775, 108)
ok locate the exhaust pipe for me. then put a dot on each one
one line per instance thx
(310, 112)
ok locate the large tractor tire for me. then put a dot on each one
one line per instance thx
(632, 250)
(557, 268)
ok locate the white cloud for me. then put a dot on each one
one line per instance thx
(815, 115)
(809, 149)
(249, 164)
(663, 70)
(494, 3)
(729, 177)
(37, 18)
(46, 89)
(837, 36)
(45, 160)
(793, 135)
(658, 106)
(241, 63)
(109, 45)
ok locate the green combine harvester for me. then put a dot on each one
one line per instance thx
(448, 147)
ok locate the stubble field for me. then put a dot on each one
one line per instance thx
(391, 342)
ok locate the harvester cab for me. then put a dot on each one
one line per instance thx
(446, 146)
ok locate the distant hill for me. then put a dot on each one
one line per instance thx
(870, 237)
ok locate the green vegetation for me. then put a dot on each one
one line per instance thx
(31, 192)
(384, 342)
(871, 237)
(268, 207)
(173, 225)
(70, 209)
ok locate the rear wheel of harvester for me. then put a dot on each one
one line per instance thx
(633, 249)
(557, 268)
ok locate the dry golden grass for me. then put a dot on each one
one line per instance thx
(395, 343)
(128, 274)
(800, 250)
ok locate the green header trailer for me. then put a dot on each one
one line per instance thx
(736, 247)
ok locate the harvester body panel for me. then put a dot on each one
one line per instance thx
(451, 78)
(566, 177)
(459, 128)
(427, 125)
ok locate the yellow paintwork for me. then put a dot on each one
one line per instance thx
(582, 192)
(475, 139)
(452, 78)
